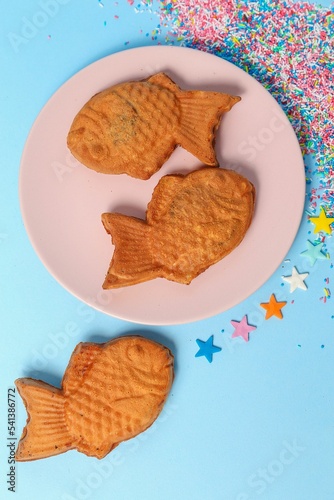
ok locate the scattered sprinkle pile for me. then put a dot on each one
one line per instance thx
(288, 47)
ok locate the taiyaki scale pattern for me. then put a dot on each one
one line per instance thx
(192, 222)
(109, 393)
(134, 127)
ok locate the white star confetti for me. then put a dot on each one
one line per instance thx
(296, 280)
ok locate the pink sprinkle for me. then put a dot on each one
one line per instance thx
(288, 47)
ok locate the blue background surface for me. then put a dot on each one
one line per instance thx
(255, 423)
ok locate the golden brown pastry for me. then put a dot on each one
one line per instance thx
(110, 393)
(192, 221)
(134, 127)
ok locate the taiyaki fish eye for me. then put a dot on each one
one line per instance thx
(135, 352)
(80, 131)
(97, 150)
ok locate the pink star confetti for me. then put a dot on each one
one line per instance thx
(242, 328)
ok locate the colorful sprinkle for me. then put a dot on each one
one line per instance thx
(289, 48)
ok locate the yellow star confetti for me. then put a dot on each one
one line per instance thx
(322, 222)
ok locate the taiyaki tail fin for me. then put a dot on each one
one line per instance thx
(132, 260)
(46, 432)
(201, 115)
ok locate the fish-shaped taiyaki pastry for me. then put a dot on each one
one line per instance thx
(134, 127)
(192, 221)
(110, 393)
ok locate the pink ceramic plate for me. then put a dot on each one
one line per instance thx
(62, 200)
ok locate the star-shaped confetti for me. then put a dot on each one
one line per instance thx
(273, 308)
(207, 348)
(296, 280)
(322, 222)
(242, 328)
(313, 252)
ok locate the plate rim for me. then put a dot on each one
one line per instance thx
(77, 75)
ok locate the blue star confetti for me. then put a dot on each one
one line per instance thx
(313, 252)
(207, 348)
